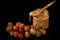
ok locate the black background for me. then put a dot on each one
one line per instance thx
(18, 10)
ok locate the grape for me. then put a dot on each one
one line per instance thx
(32, 26)
(11, 33)
(21, 30)
(36, 27)
(27, 28)
(43, 31)
(32, 31)
(21, 25)
(8, 29)
(15, 28)
(20, 36)
(10, 24)
(27, 34)
(15, 34)
(38, 33)
(18, 23)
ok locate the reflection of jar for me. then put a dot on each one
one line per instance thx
(41, 21)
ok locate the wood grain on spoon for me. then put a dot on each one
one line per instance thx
(48, 5)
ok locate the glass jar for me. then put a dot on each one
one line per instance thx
(40, 21)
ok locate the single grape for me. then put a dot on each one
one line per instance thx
(21, 30)
(11, 33)
(15, 28)
(18, 23)
(21, 25)
(27, 28)
(15, 33)
(27, 34)
(32, 31)
(20, 36)
(10, 24)
(8, 29)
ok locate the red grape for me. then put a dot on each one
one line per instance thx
(15, 34)
(27, 28)
(21, 30)
(15, 28)
(17, 24)
(20, 36)
(21, 25)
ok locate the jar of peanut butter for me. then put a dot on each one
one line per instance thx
(40, 20)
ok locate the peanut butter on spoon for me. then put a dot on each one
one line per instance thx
(48, 5)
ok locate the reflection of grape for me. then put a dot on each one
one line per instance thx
(10, 24)
(45, 24)
(27, 34)
(38, 33)
(8, 29)
(37, 27)
(43, 31)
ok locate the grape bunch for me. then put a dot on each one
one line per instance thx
(20, 30)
